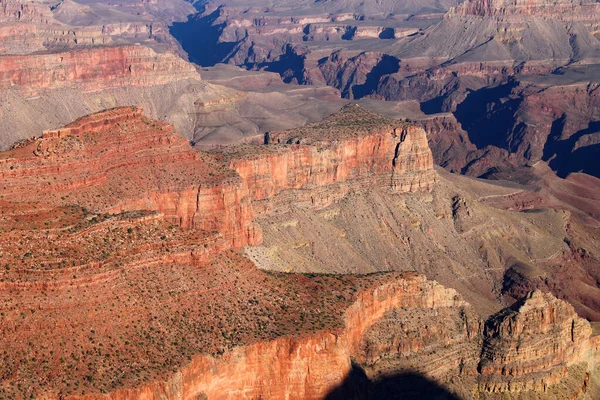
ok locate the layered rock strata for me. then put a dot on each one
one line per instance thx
(113, 158)
(118, 220)
(308, 367)
(568, 10)
(352, 145)
(530, 346)
(92, 69)
(117, 161)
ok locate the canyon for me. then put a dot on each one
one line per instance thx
(489, 65)
(478, 57)
(142, 245)
(207, 200)
(66, 60)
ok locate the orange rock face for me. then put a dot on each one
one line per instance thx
(530, 346)
(339, 150)
(118, 280)
(93, 69)
(104, 190)
(297, 368)
(118, 161)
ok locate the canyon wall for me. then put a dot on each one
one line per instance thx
(20, 11)
(577, 10)
(298, 368)
(383, 152)
(530, 346)
(121, 211)
(406, 324)
(92, 69)
(109, 162)
(111, 159)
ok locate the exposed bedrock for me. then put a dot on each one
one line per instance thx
(385, 152)
(108, 162)
(298, 367)
(534, 346)
(92, 69)
(116, 219)
(117, 161)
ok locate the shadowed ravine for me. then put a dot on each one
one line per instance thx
(406, 385)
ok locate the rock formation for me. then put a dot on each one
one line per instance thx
(475, 52)
(535, 344)
(107, 162)
(92, 69)
(118, 220)
(299, 367)
(198, 191)
(576, 10)
(61, 52)
(20, 11)
(353, 144)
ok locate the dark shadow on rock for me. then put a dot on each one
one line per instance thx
(406, 385)
(290, 66)
(488, 115)
(387, 65)
(349, 34)
(199, 37)
(434, 106)
(387, 33)
(565, 157)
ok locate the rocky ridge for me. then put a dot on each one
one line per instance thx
(477, 50)
(208, 195)
(93, 69)
(353, 144)
(530, 345)
(143, 222)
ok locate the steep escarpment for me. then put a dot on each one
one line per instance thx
(538, 348)
(442, 345)
(66, 24)
(117, 161)
(533, 346)
(117, 223)
(20, 11)
(89, 57)
(116, 200)
(300, 367)
(92, 69)
(107, 162)
(583, 9)
(352, 145)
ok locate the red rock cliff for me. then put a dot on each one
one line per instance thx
(93, 69)
(352, 145)
(295, 368)
(117, 161)
(531, 345)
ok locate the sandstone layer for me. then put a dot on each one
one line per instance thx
(531, 345)
(351, 145)
(538, 348)
(116, 221)
(107, 162)
(93, 69)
